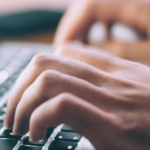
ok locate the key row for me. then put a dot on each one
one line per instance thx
(62, 141)
(18, 61)
(9, 144)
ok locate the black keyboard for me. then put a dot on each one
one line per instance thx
(61, 137)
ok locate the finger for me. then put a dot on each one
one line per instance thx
(51, 83)
(44, 62)
(75, 23)
(136, 14)
(93, 56)
(138, 51)
(76, 112)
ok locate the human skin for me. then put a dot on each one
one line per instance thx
(103, 97)
(82, 14)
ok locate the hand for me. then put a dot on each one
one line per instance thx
(82, 14)
(110, 99)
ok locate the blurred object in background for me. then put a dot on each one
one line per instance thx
(121, 32)
(118, 32)
(97, 33)
(19, 18)
(13, 6)
(29, 22)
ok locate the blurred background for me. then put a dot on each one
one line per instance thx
(36, 21)
(30, 20)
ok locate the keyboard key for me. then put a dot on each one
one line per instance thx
(3, 76)
(2, 113)
(63, 145)
(69, 136)
(50, 131)
(30, 148)
(1, 125)
(39, 143)
(2, 116)
(3, 110)
(2, 91)
(14, 77)
(67, 128)
(5, 105)
(7, 84)
(8, 134)
(7, 144)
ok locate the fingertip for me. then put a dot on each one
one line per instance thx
(36, 135)
(8, 124)
(37, 131)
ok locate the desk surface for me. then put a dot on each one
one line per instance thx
(44, 37)
(12, 6)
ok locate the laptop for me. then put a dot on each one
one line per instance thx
(14, 57)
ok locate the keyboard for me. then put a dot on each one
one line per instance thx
(14, 58)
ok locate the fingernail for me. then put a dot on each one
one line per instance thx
(30, 139)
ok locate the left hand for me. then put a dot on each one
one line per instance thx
(109, 98)
(81, 15)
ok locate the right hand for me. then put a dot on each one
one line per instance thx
(107, 103)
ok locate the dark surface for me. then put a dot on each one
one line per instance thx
(39, 143)
(62, 145)
(8, 134)
(50, 131)
(69, 136)
(29, 148)
(7, 144)
(25, 23)
(67, 128)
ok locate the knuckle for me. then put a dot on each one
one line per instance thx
(41, 59)
(48, 77)
(64, 101)
(63, 49)
(68, 47)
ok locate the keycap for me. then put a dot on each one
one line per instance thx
(2, 113)
(7, 84)
(50, 131)
(5, 105)
(39, 143)
(7, 144)
(3, 76)
(2, 91)
(2, 116)
(69, 136)
(3, 110)
(1, 125)
(67, 128)
(8, 134)
(14, 77)
(29, 148)
(62, 145)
